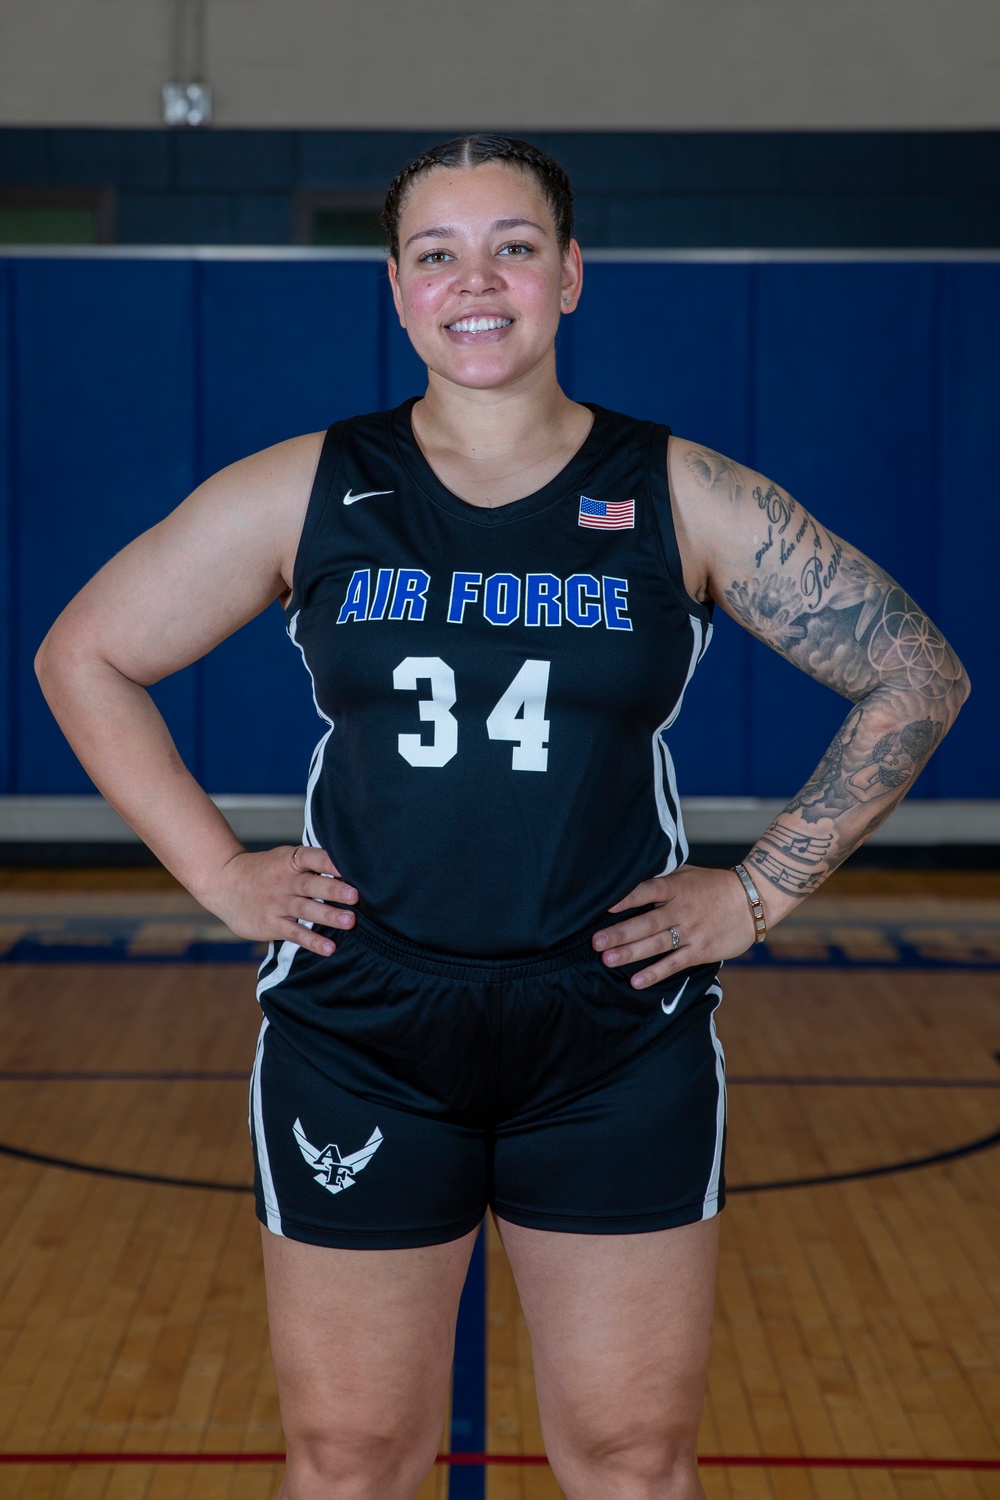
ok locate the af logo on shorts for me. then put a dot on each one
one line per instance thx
(336, 1172)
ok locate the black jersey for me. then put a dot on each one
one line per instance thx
(496, 685)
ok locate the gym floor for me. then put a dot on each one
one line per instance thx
(857, 1351)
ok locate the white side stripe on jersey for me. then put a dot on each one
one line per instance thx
(668, 802)
(316, 764)
(710, 1206)
(260, 1140)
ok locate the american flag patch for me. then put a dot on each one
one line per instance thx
(607, 515)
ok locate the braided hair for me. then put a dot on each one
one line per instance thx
(472, 151)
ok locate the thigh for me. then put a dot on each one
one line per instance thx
(362, 1340)
(621, 1329)
(335, 1167)
(638, 1148)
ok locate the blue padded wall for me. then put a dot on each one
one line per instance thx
(285, 348)
(104, 420)
(843, 379)
(968, 519)
(868, 389)
(677, 350)
(8, 608)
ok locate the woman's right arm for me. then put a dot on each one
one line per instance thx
(175, 592)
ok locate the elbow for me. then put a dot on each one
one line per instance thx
(44, 664)
(955, 694)
(963, 687)
(57, 661)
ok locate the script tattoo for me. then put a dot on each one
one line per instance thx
(776, 505)
(713, 471)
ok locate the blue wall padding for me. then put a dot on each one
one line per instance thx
(870, 390)
(8, 644)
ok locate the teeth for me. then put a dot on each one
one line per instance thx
(479, 325)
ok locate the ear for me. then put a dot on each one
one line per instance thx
(572, 278)
(393, 270)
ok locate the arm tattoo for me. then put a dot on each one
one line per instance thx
(864, 634)
(844, 621)
(713, 471)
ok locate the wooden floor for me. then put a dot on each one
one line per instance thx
(857, 1319)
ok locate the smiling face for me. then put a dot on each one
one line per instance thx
(481, 282)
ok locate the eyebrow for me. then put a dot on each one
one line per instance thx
(445, 231)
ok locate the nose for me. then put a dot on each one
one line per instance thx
(478, 274)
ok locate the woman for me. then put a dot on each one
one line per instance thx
(492, 977)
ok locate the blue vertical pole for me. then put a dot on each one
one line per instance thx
(468, 1399)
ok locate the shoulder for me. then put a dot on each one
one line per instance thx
(706, 494)
(260, 501)
(701, 478)
(281, 475)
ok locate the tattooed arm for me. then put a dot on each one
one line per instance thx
(835, 614)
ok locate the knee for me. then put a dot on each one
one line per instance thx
(324, 1464)
(637, 1462)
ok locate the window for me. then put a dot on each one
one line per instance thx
(339, 219)
(56, 216)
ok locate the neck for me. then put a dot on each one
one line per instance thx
(480, 424)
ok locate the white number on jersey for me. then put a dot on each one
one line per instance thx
(435, 710)
(520, 716)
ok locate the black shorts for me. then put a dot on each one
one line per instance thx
(398, 1093)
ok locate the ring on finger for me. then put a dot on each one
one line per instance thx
(294, 864)
(675, 939)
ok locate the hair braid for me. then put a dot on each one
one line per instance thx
(473, 151)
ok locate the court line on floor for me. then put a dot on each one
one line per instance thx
(936, 1158)
(483, 1460)
(777, 1080)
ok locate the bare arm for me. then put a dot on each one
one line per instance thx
(836, 615)
(217, 561)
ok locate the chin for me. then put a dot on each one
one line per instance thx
(481, 374)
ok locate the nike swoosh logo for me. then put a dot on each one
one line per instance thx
(668, 1010)
(350, 498)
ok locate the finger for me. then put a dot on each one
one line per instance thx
(631, 953)
(325, 888)
(645, 892)
(626, 932)
(664, 969)
(305, 937)
(308, 859)
(306, 911)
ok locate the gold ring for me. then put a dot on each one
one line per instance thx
(294, 865)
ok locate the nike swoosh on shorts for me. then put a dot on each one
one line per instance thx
(350, 498)
(668, 1010)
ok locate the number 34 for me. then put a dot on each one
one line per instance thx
(518, 716)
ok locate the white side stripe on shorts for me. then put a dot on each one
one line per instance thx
(263, 1162)
(711, 1205)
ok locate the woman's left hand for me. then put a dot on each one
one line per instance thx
(707, 909)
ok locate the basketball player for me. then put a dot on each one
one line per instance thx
(492, 975)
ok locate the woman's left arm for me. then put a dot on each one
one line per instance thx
(835, 614)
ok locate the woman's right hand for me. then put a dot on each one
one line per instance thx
(267, 897)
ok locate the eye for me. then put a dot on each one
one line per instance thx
(517, 249)
(434, 257)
